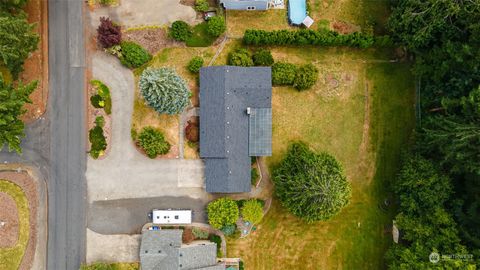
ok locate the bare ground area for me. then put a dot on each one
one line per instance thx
(8, 221)
(36, 66)
(29, 187)
(152, 39)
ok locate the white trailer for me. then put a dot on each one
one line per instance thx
(171, 216)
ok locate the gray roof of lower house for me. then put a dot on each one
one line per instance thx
(226, 140)
(163, 250)
(244, 4)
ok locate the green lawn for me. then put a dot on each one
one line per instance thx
(200, 36)
(365, 132)
(10, 258)
(112, 266)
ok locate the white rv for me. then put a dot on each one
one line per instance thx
(173, 217)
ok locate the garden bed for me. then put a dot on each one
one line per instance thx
(153, 39)
(93, 113)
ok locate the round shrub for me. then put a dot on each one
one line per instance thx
(221, 212)
(263, 58)
(153, 142)
(240, 57)
(133, 55)
(180, 31)
(97, 101)
(216, 26)
(312, 186)
(98, 142)
(164, 90)
(100, 121)
(201, 5)
(195, 64)
(191, 132)
(283, 73)
(199, 233)
(108, 33)
(306, 77)
(252, 211)
(229, 229)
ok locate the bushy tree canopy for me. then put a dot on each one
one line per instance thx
(312, 186)
(283, 73)
(17, 40)
(221, 212)
(12, 100)
(180, 31)
(240, 57)
(305, 77)
(216, 26)
(133, 55)
(195, 64)
(164, 90)
(252, 211)
(153, 142)
(262, 58)
(108, 33)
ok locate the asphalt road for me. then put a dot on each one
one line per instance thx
(67, 185)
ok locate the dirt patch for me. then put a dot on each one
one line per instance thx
(36, 66)
(29, 187)
(152, 39)
(8, 221)
(344, 27)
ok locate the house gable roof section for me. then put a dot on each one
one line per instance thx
(225, 94)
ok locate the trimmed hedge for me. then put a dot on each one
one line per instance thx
(133, 55)
(322, 37)
(301, 77)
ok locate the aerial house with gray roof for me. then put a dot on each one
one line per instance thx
(235, 124)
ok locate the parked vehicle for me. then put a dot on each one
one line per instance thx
(209, 14)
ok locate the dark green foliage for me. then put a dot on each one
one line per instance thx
(262, 58)
(468, 210)
(424, 223)
(201, 5)
(221, 212)
(153, 142)
(102, 99)
(164, 90)
(133, 55)
(241, 266)
(12, 100)
(216, 26)
(240, 57)
(100, 121)
(229, 229)
(11, 5)
(200, 36)
(283, 73)
(255, 176)
(17, 40)
(217, 240)
(321, 37)
(98, 142)
(305, 77)
(195, 64)
(312, 186)
(180, 31)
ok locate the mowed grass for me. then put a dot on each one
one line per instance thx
(200, 36)
(364, 119)
(10, 258)
(240, 20)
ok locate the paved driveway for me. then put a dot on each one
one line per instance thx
(145, 12)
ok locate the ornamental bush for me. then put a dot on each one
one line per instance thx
(321, 37)
(180, 31)
(305, 77)
(98, 142)
(164, 90)
(262, 58)
(192, 132)
(195, 64)
(108, 33)
(228, 229)
(201, 5)
(312, 186)
(97, 101)
(199, 233)
(283, 73)
(102, 99)
(221, 212)
(216, 26)
(12, 4)
(240, 57)
(252, 211)
(153, 142)
(133, 55)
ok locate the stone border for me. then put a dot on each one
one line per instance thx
(40, 256)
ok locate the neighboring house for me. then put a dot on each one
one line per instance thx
(235, 124)
(163, 250)
(245, 4)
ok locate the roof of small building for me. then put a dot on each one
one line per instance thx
(163, 250)
(228, 134)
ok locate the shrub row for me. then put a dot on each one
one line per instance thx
(301, 77)
(321, 37)
(243, 58)
(213, 28)
(102, 98)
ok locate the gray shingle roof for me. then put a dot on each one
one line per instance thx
(163, 250)
(225, 94)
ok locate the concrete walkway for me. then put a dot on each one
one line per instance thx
(126, 173)
(145, 12)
